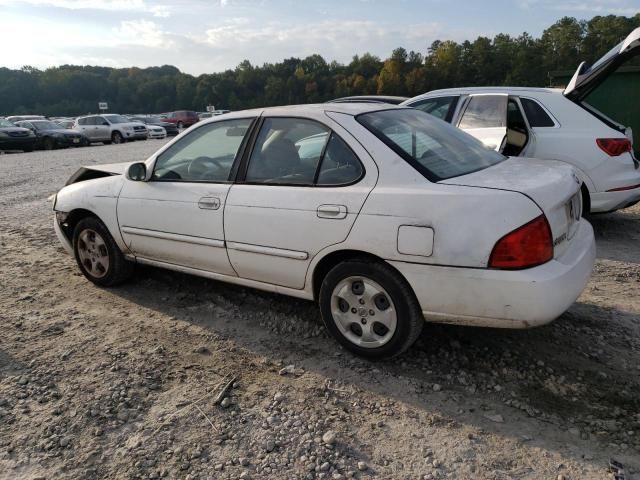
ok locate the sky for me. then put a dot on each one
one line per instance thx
(205, 36)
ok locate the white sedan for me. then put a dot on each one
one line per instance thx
(383, 215)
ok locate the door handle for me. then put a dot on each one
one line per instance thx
(332, 211)
(209, 203)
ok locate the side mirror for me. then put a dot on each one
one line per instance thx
(137, 172)
(105, 124)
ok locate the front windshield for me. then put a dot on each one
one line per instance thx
(433, 147)
(117, 119)
(45, 125)
(6, 123)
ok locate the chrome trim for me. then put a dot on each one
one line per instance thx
(269, 287)
(208, 242)
(276, 252)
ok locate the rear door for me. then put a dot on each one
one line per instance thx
(484, 116)
(102, 129)
(587, 78)
(298, 192)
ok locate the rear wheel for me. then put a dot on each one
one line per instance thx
(49, 144)
(116, 137)
(97, 254)
(370, 309)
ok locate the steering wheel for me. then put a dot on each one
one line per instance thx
(200, 167)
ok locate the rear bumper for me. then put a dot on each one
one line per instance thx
(604, 202)
(504, 299)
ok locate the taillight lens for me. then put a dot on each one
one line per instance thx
(525, 247)
(614, 146)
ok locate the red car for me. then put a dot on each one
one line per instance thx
(182, 118)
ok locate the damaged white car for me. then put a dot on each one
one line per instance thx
(383, 215)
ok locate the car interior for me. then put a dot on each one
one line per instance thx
(517, 134)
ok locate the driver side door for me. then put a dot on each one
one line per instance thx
(176, 216)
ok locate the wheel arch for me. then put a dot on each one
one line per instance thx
(323, 266)
(586, 199)
(73, 217)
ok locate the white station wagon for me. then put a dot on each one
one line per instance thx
(553, 124)
(384, 215)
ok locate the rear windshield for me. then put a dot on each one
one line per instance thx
(436, 149)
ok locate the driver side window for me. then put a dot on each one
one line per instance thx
(204, 155)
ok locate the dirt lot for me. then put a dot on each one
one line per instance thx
(122, 383)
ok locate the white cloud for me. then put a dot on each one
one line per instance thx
(156, 9)
(142, 32)
(575, 7)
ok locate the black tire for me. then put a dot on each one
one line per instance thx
(48, 143)
(117, 138)
(119, 269)
(586, 202)
(28, 149)
(408, 312)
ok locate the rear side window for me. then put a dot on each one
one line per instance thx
(440, 107)
(340, 166)
(437, 150)
(485, 111)
(535, 114)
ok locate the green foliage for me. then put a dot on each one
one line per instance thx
(502, 60)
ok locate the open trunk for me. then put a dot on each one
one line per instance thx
(587, 78)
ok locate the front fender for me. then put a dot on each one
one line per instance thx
(98, 196)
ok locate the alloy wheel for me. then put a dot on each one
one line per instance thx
(93, 253)
(363, 312)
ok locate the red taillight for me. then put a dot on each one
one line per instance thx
(525, 247)
(614, 146)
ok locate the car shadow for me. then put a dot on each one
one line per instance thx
(618, 235)
(566, 374)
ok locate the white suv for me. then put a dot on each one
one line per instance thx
(553, 124)
(110, 128)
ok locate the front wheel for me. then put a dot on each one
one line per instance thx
(97, 254)
(49, 143)
(370, 309)
(116, 137)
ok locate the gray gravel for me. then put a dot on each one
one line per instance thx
(121, 383)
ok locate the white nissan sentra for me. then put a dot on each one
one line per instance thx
(385, 216)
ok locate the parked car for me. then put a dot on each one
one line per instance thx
(396, 218)
(66, 123)
(553, 124)
(16, 138)
(215, 113)
(182, 118)
(370, 99)
(50, 135)
(20, 118)
(170, 129)
(110, 128)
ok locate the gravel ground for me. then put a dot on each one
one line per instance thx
(123, 383)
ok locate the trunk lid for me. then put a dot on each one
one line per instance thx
(587, 78)
(553, 186)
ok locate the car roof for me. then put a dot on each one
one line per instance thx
(354, 108)
(471, 90)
